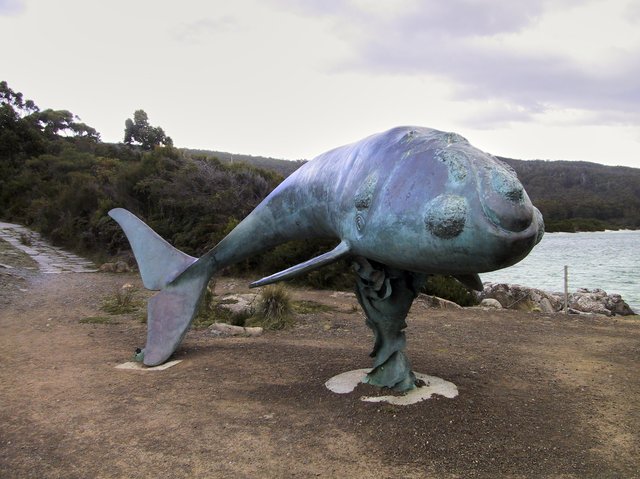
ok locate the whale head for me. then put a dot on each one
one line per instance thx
(446, 207)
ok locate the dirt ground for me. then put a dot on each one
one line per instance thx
(539, 395)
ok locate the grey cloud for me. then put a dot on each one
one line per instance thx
(633, 12)
(194, 32)
(440, 39)
(340, 8)
(531, 81)
(11, 7)
(497, 116)
(469, 17)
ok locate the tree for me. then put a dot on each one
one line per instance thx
(26, 131)
(54, 122)
(139, 131)
(15, 101)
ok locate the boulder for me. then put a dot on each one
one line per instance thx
(238, 303)
(490, 303)
(617, 305)
(223, 329)
(514, 296)
(107, 268)
(585, 301)
(597, 301)
(546, 306)
(122, 267)
(117, 267)
(435, 302)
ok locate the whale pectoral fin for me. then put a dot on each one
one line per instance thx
(332, 256)
(471, 281)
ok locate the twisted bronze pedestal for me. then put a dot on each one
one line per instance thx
(386, 295)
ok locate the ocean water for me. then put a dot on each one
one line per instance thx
(608, 260)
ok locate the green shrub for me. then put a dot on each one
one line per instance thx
(447, 287)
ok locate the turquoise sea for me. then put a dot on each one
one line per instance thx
(608, 260)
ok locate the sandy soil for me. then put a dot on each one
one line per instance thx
(540, 395)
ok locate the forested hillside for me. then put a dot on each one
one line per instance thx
(283, 167)
(572, 195)
(581, 196)
(59, 178)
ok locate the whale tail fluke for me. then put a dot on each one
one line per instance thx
(181, 278)
(159, 262)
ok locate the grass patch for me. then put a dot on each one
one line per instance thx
(12, 256)
(98, 320)
(122, 302)
(274, 309)
(141, 316)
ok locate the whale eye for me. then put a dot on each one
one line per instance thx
(446, 216)
(364, 195)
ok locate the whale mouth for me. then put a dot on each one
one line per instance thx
(514, 246)
(513, 218)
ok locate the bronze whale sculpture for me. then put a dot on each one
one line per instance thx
(404, 204)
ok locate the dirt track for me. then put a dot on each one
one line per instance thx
(540, 395)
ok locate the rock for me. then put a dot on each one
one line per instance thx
(343, 294)
(514, 296)
(435, 302)
(107, 268)
(238, 303)
(546, 306)
(117, 267)
(591, 301)
(223, 329)
(617, 305)
(490, 303)
(122, 267)
(588, 303)
(598, 301)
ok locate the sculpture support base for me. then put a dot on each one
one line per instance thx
(386, 295)
(394, 373)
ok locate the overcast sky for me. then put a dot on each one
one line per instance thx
(529, 79)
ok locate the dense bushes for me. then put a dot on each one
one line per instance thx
(580, 196)
(449, 288)
(57, 177)
(63, 185)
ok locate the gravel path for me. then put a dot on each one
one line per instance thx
(50, 259)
